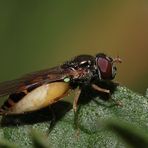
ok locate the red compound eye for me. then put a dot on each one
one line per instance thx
(105, 66)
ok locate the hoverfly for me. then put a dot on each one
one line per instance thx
(42, 88)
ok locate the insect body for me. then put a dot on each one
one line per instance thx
(40, 89)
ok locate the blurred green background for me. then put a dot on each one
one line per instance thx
(39, 34)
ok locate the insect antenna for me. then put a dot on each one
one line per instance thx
(117, 60)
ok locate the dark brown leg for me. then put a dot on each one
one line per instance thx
(75, 102)
(53, 120)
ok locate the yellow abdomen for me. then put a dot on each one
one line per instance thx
(41, 97)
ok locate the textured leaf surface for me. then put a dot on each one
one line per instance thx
(89, 121)
(131, 134)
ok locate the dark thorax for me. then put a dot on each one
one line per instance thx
(81, 69)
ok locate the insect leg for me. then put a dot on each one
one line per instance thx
(53, 120)
(76, 120)
(94, 86)
(78, 92)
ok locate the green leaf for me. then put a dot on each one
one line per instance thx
(39, 140)
(86, 129)
(131, 134)
(7, 144)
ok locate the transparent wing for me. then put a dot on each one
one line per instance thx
(31, 80)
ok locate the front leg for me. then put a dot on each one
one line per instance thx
(95, 87)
